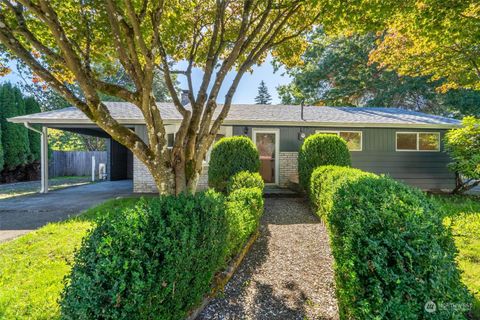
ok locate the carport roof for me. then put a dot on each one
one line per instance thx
(269, 115)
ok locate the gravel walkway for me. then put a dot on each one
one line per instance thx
(286, 275)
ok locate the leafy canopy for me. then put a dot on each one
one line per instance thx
(337, 71)
(419, 38)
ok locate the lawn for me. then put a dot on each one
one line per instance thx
(463, 215)
(32, 267)
(17, 189)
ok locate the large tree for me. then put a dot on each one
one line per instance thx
(434, 38)
(83, 41)
(337, 71)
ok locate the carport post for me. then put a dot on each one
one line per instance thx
(44, 160)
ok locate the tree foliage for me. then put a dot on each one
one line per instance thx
(32, 106)
(64, 42)
(263, 96)
(337, 71)
(419, 38)
(14, 137)
(463, 145)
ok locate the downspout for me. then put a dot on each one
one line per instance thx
(43, 155)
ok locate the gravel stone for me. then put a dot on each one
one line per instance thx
(288, 272)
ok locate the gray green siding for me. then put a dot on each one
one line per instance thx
(427, 170)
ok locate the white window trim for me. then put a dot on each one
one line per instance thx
(418, 141)
(277, 149)
(338, 134)
(169, 129)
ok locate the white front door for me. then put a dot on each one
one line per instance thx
(268, 144)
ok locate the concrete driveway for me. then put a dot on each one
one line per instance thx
(23, 214)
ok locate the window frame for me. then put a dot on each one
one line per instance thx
(227, 131)
(418, 141)
(337, 132)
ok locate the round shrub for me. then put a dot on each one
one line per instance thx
(153, 261)
(318, 150)
(245, 179)
(230, 156)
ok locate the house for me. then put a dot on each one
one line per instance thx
(405, 144)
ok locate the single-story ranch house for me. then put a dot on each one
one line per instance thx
(405, 144)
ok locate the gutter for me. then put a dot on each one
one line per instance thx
(28, 126)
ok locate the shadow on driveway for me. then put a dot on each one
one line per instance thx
(23, 214)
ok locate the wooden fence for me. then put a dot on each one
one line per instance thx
(74, 163)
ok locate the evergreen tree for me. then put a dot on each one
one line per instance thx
(263, 97)
(32, 106)
(14, 136)
(1, 149)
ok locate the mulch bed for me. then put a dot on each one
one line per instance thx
(286, 275)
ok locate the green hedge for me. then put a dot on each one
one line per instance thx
(392, 253)
(245, 179)
(157, 260)
(154, 261)
(244, 209)
(319, 150)
(230, 156)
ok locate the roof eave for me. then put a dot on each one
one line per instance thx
(247, 123)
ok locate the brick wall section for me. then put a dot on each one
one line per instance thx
(288, 167)
(143, 180)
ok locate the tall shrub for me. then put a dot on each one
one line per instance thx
(32, 106)
(463, 145)
(319, 150)
(1, 149)
(392, 253)
(14, 136)
(230, 156)
(154, 261)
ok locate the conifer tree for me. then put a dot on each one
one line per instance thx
(14, 137)
(1, 149)
(263, 97)
(32, 106)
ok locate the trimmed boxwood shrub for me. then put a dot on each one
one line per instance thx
(392, 253)
(154, 261)
(244, 209)
(230, 156)
(245, 179)
(318, 150)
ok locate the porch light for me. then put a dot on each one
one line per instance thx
(245, 130)
(301, 134)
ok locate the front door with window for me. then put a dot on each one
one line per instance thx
(267, 145)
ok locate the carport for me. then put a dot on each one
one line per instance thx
(119, 164)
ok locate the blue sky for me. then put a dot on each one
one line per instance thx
(247, 89)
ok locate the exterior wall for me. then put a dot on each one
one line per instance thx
(427, 170)
(142, 179)
(288, 167)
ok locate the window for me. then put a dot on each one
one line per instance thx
(353, 138)
(418, 141)
(223, 132)
(170, 140)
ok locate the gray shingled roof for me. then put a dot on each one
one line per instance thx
(245, 114)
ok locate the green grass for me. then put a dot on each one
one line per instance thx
(463, 215)
(33, 266)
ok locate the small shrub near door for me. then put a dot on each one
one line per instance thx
(153, 261)
(318, 150)
(245, 179)
(392, 253)
(230, 156)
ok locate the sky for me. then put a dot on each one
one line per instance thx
(246, 91)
